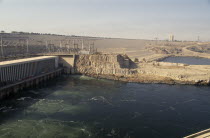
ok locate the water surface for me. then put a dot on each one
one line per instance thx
(80, 107)
(188, 60)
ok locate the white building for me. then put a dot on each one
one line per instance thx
(171, 38)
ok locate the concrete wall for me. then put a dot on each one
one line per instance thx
(17, 70)
(36, 81)
(67, 62)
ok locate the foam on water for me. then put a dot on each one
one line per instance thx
(43, 128)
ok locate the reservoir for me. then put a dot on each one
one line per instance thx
(188, 60)
(80, 107)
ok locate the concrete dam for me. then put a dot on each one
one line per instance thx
(15, 70)
(16, 75)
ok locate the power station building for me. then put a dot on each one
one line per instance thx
(17, 70)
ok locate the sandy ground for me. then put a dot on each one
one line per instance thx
(138, 48)
(141, 49)
(133, 48)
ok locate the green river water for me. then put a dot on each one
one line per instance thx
(80, 107)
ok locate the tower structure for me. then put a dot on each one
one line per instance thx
(198, 38)
(82, 44)
(171, 38)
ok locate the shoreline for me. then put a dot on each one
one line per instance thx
(121, 68)
(164, 80)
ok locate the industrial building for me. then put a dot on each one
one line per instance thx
(17, 70)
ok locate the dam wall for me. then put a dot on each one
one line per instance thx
(36, 81)
(19, 74)
(67, 62)
(16, 75)
(17, 70)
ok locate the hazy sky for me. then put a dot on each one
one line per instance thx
(141, 19)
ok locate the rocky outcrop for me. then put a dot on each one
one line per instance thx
(104, 65)
(167, 50)
(120, 67)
